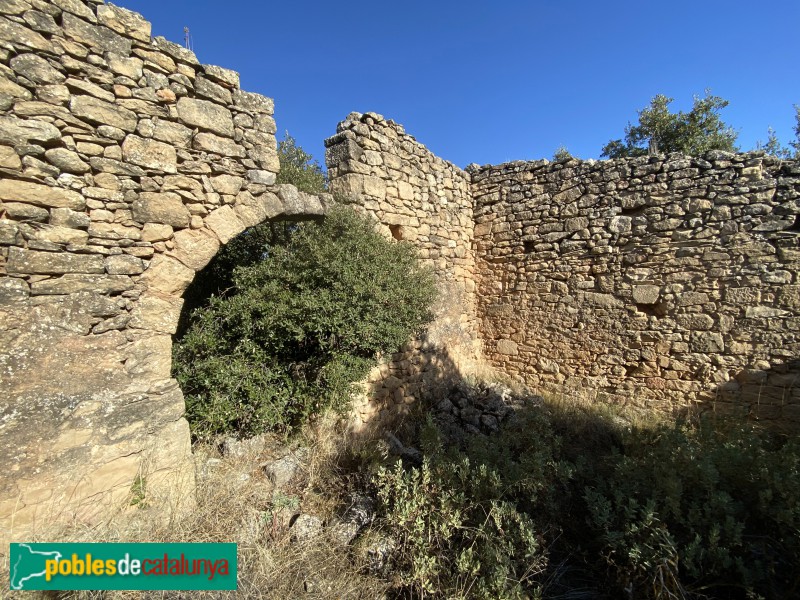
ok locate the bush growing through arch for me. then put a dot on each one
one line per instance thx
(300, 327)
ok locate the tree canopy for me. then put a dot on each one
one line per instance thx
(773, 145)
(659, 130)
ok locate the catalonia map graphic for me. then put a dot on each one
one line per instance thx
(28, 564)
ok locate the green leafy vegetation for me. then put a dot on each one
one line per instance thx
(299, 168)
(569, 501)
(299, 327)
(773, 146)
(562, 153)
(694, 132)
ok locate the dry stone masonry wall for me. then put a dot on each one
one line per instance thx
(422, 199)
(656, 280)
(124, 165)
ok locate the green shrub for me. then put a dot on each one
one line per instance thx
(298, 328)
(692, 508)
(458, 534)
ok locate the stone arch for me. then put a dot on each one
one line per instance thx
(125, 164)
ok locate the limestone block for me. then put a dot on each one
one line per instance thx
(150, 154)
(297, 203)
(620, 224)
(61, 235)
(206, 115)
(375, 187)
(208, 142)
(194, 247)
(156, 232)
(157, 312)
(646, 294)
(404, 189)
(76, 7)
(72, 283)
(26, 261)
(19, 35)
(172, 133)
(9, 233)
(126, 66)
(9, 159)
(177, 52)
(101, 112)
(98, 37)
(67, 217)
(205, 88)
(12, 288)
(149, 358)
(36, 68)
(166, 208)
(507, 347)
(124, 21)
(167, 275)
(16, 131)
(66, 160)
(253, 210)
(226, 77)
(261, 177)
(124, 264)
(224, 223)
(227, 184)
(706, 341)
(253, 102)
(114, 231)
(266, 157)
(696, 322)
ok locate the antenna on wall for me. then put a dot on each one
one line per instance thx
(187, 39)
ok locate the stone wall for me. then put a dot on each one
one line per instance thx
(663, 281)
(124, 165)
(424, 200)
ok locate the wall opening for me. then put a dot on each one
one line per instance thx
(397, 232)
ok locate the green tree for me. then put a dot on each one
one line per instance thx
(796, 143)
(300, 327)
(562, 153)
(659, 130)
(773, 146)
(299, 168)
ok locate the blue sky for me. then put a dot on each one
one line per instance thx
(489, 82)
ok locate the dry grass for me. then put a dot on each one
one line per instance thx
(236, 502)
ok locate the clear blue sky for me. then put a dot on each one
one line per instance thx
(494, 81)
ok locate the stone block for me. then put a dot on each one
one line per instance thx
(226, 77)
(165, 208)
(206, 115)
(124, 21)
(98, 37)
(253, 210)
(20, 35)
(124, 264)
(72, 283)
(150, 154)
(253, 102)
(208, 142)
(646, 294)
(100, 112)
(194, 247)
(508, 347)
(224, 223)
(167, 275)
(32, 262)
(19, 132)
(157, 312)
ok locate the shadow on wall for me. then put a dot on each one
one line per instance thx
(770, 393)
